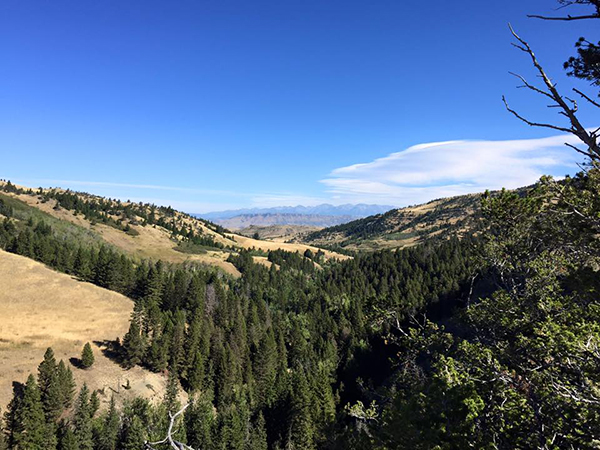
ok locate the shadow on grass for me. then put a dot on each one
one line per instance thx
(112, 350)
(76, 362)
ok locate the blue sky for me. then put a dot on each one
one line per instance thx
(210, 105)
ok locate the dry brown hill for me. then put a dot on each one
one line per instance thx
(42, 308)
(144, 230)
(278, 233)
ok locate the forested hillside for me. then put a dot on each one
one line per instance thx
(483, 332)
(436, 220)
(140, 231)
(456, 343)
(269, 358)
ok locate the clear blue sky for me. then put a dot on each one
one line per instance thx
(217, 104)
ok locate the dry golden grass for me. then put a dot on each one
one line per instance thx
(247, 243)
(155, 242)
(278, 233)
(42, 308)
(262, 260)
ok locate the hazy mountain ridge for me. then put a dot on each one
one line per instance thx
(325, 209)
(270, 219)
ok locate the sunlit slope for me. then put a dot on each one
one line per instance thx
(438, 219)
(127, 227)
(42, 308)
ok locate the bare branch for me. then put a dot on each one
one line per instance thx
(169, 438)
(567, 18)
(589, 155)
(533, 124)
(591, 140)
(587, 98)
(530, 86)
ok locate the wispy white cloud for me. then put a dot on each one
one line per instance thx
(107, 184)
(441, 169)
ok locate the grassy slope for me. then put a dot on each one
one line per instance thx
(42, 308)
(153, 242)
(402, 227)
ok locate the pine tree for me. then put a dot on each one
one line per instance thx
(66, 438)
(94, 403)
(196, 372)
(49, 385)
(199, 420)
(177, 342)
(265, 369)
(12, 418)
(66, 383)
(135, 435)
(109, 438)
(33, 432)
(133, 345)
(87, 356)
(81, 265)
(301, 428)
(82, 420)
(170, 401)
(3, 440)
(258, 434)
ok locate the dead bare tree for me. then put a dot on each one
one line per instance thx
(169, 438)
(568, 107)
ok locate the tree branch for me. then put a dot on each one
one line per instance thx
(589, 139)
(534, 124)
(587, 98)
(169, 438)
(567, 18)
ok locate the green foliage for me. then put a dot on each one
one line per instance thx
(443, 221)
(50, 388)
(82, 420)
(32, 432)
(67, 384)
(517, 366)
(133, 345)
(87, 356)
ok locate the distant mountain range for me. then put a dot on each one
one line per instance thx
(267, 220)
(324, 215)
(325, 209)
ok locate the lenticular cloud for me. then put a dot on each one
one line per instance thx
(442, 169)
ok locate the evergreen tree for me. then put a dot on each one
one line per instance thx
(87, 356)
(12, 419)
(33, 433)
(170, 401)
(81, 264)
(199, 420)
(258, 435)
(50, 389)
(94, 403)
(133, 345)
(82, 420)
(66, 438)
(109, 437)
(135, 435)
(3, 432)
(265, 369)
(67, 384)
(301, 434)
